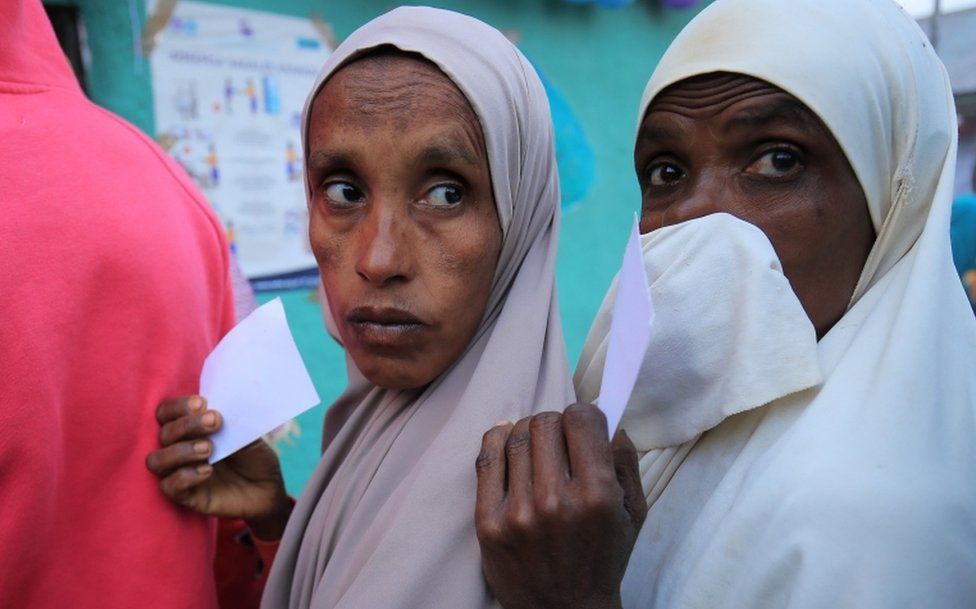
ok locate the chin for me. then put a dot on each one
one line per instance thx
(396, 375)
(395, 382)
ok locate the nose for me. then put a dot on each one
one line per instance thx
(384, 254)
(705, 194)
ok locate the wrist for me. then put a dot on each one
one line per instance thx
(271, 527)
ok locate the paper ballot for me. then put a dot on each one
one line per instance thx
(256, 379)
(630, 332)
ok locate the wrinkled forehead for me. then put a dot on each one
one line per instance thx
(386, 84)
(384, 80)
(739, 99)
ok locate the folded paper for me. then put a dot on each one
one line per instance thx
(256, 379)
(630, 332)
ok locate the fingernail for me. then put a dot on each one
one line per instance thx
(203, 470)
(201, 447)
(502, 423)
(209, 419)
(195, 404)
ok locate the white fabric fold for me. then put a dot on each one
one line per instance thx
(729, 333)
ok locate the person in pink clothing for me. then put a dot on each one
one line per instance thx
(115, 287)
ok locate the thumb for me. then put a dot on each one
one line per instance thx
(628, 475)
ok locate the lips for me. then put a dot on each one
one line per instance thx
(384, 327)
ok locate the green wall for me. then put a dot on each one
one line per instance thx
(598, 58)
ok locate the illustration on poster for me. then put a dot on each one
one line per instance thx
(229, 85)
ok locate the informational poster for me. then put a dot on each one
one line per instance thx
(228, 86)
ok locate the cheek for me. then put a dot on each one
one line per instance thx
(330, 251)
(467, 270)
(327, 245)
(465, 266)
(792, 216)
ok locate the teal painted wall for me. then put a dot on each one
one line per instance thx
(598, 58)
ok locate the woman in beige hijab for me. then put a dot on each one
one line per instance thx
(434, 212)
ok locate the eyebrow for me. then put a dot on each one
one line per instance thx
(320, 159)
(787, 111)
(447, 152)
(659, 133)
(436, 153)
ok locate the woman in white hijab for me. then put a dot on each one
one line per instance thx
(386, 519)
(806, 438)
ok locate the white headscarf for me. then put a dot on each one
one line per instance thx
(861, 491)
(387, 519)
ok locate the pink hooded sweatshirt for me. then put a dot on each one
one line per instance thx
(113, 289)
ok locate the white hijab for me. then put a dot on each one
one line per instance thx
(387, 520)
(860, 491)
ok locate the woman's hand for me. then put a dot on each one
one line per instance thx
(558, 510)
(247, 484)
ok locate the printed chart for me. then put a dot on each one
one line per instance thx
(229, 85)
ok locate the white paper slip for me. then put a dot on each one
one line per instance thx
(256, 379)
(630, 331)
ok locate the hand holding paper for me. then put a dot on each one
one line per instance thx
(256, 379)
(528, 566)
(630, 332)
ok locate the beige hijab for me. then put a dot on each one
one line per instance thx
(387, 519)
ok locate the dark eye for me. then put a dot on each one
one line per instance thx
(445, 195)
(342, 193)
(665, 174)
(776, 163)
